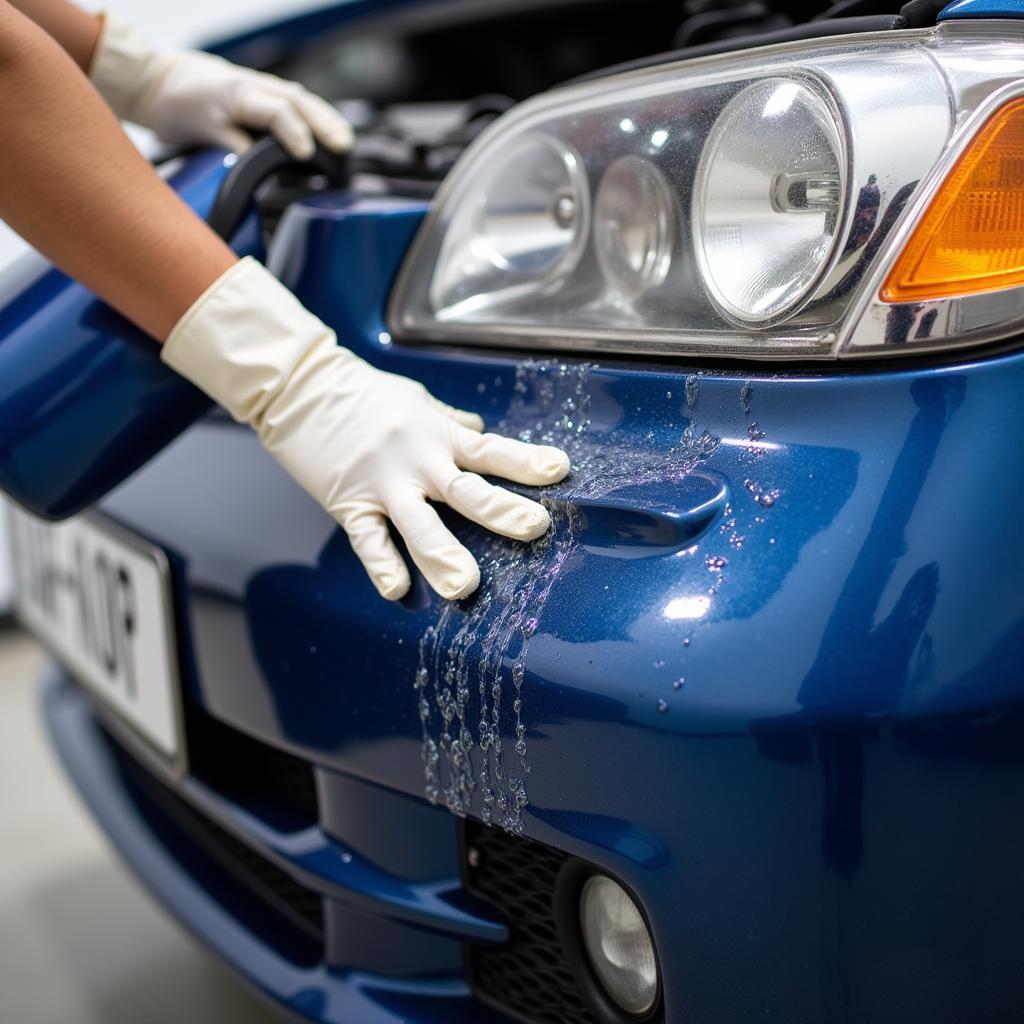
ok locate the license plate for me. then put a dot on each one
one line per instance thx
(100, 599)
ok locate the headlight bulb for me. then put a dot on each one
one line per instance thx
(768, 200)
(634, 226)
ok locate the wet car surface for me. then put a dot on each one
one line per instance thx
(763, 672)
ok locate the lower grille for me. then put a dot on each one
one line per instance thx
(265, 899)
(528, 977)
(276, 786)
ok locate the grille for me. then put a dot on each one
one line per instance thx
(285, 914)
(528, 977)
(274, 785)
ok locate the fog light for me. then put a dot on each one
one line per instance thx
(619, 945)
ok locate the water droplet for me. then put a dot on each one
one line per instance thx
(678, 684)
(715, 562)
(754, 432)
(662, 706)
(692, 391)
(346, 858)
(659, 664)
(746, 392)
(686, 642)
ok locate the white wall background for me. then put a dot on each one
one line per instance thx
(182, 23)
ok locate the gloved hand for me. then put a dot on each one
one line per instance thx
(191, 97)
(368, 445)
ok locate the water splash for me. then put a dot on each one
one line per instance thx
(471, 671)
(764, 496)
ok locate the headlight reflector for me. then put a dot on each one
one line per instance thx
(768, 199)
(634, 226)
(619, 945)
(521, 226)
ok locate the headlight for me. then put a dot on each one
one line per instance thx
(769, 199)
(618, 945)
(750, 204)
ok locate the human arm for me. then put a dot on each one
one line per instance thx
(186, 96)
(76, 31)
(369, 446)
(73, 185)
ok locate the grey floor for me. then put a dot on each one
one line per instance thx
(80, 941)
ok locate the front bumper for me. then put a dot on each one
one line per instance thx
(822, 825)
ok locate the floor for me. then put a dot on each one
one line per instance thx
(80, 941)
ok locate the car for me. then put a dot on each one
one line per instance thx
(741, 738)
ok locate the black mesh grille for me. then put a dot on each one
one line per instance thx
(276, 786)
(286, 914)
(528, 977)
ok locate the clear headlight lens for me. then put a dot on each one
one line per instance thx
(618, 945)
(769, 197)
(748, 204)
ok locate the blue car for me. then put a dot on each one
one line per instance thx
(742, 738)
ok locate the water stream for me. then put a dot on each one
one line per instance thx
(471, 667)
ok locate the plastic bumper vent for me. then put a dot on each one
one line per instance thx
(528, 977)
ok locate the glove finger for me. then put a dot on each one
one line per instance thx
(497, 509)
(233, 139)
(370, 540)
(494, 455)
(260, 108)
(470, 420)
(330, 128)
(448, 567)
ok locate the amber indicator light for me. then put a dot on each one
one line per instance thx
(971, 237)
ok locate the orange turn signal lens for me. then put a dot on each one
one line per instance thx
(971, 237)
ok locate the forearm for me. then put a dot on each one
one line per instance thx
(73, 185)
(76, 30)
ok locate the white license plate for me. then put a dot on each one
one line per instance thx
(100, 599)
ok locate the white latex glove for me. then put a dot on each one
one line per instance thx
(368, 445)
(190, 97)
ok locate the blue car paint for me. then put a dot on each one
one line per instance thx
(820, 823)
(982, 9)
(84, 398)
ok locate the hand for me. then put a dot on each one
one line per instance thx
(190, 97)
(369, 446)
